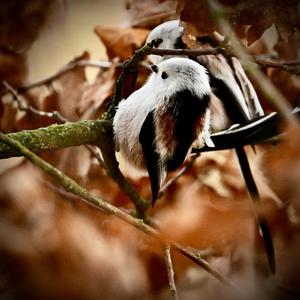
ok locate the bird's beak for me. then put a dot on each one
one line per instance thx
(154, 68)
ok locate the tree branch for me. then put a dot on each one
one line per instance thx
(106, 144)
(55, 115)
(55, 137)
(23, 106)
(180, 173)
(170, 271)
(262, 130)
(292, 67)
(67, 68)
(129, 66)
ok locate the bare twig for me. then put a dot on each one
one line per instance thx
(67, 68)
(55, 115)
(187, 52)
(129, 66)
(72, 186)
(292, 67)
(288, 66)
(181, 172)
(106, 144)
(196, 258)
(170, 271)
(96, 154)
(23, 106)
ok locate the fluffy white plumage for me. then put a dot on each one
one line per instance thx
(154, 95)
(156, 125)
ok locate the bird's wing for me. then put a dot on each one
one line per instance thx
(226, 87)
(252, 101)
(189, 111)
(152, 157)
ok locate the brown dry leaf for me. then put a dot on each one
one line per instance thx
(289, 50)
(96, 95)
(1, 107)
(150, 13)
(8, 117)
(121, 42)
(196, 13)
(285, 16)
(70, 87)
(282, 165)
(63, 94)
(251, 17)
(288, 84)
(13, 68)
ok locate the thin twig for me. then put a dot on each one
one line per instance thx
(72, 186)
(292, 67)
(96, 154)
(288, 66)
(170, 271)
(55, 115)
(129, 66)
(67, 68)
(187, 52)
(24, 106)
(181, 172)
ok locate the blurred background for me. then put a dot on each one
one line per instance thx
(55, 246)
(70, 33)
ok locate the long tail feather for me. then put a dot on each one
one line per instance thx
(254, 195)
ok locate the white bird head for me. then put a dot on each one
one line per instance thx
(177, 74)
(170, 32)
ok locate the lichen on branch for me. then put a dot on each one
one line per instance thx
(55, 137)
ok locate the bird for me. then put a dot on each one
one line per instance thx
(228, 80)
(155, 127)
(233, 95)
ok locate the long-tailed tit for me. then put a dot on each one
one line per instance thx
(228, 80)
(232, 88)
(156, 125)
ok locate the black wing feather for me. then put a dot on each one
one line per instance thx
(186, 108)
(152, 158)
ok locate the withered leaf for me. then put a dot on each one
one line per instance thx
(150, 13)
(284, 14)
(197, 14)
(121, 42)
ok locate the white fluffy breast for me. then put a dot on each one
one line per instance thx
(182, 74)
(128, 120)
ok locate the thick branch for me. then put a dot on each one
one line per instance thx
(55, 137)
(107, 147)
(264, 129)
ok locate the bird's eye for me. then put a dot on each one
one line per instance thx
(154, 68)
(164, 75)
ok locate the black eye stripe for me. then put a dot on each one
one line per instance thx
(164, 75)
